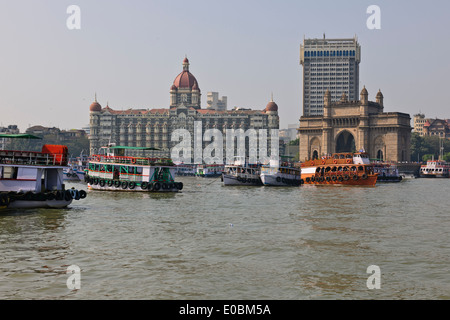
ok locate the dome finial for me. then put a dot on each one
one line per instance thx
(185, 64)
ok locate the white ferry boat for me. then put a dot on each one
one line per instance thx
(113, 171)
(242, 173)
(435, 169)
(284, 175)
(31, 179)
(209, 170)
(185, 170)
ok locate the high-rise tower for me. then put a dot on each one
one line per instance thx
(329, 64)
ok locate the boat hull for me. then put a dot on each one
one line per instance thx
(389, 179)
(209, 175)
(28, 200)
(232, 180)
(33, 204)
(369, 180)
(276, 180)
(431, 175)
(155, 187)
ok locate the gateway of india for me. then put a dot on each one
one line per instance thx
(331, 124)
(153, 128)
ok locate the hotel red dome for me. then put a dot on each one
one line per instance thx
(186, 79)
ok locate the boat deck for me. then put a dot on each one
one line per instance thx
(32, 158)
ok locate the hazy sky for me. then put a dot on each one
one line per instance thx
(129, 53)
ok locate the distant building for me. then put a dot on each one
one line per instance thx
(329, 64)
(437, 127)
(419, 120)
(11, 129)
(289, 134)
(431, 127)
(87, 129)
(214, 103)
(58, 134)
(41, 130)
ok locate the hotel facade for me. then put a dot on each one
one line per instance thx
(154, 128)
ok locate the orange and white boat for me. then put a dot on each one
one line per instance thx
(340, 168)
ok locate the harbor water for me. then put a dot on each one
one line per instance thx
(219, 242)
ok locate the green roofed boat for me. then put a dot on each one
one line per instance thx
(113, 170)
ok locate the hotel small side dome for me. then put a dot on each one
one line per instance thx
(95, 107)
(271, 106)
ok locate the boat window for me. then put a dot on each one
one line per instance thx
(9, 173)
(123, 169)
(327, 169)
(336, 156)
(361, 168)
(342, 156)
(340, 169)
(334, 169)
(139, 170)
(349, 156)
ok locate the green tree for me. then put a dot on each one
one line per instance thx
(447, 157)
(427, 145)
(418, 147)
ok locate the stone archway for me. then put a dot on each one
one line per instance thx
(315, 155)
(345, 142)
(314, 148)
(380, 156)
(379, 148)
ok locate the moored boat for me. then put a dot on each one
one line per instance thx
(185, 170)
(241, 173)
(209, 170)
(340, 168)
(70, 173)
(435, 169)
(284, 175)
(386, 172)
(113, 171)
(30, 179)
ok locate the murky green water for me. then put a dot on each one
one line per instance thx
(216, 242)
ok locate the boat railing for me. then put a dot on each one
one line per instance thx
(133, 160)
(32, 158)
